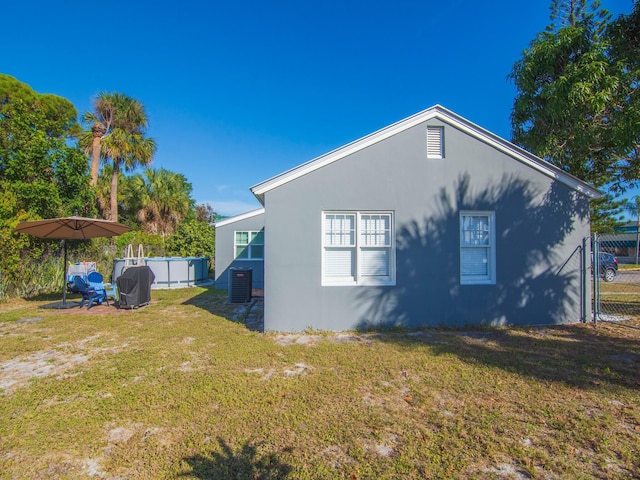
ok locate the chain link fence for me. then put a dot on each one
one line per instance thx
(616, 286)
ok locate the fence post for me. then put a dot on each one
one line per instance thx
(584, 281)
(595, 274)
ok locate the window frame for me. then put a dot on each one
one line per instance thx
(358, 247)
(248, 245)
(490, 277)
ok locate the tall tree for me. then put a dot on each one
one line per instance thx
(624, 37)
(568, 13)
(39, 169)
(569, 94)
(57, 115)
(165, 199)
(100, 122)
(42, 174)
(126, 144)
(204, 212)
(127, 151)
(111, 112)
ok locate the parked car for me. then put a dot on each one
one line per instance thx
(608, 266)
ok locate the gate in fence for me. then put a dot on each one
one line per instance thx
(615, 276)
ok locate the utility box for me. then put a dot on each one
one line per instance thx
(240, 285)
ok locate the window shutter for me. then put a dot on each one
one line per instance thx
(435, 137)
(339, 263)
(475, 262)
(375, 262)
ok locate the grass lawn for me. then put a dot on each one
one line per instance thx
(178, 389)
(628, 266)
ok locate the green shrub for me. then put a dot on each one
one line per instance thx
(193, 239)
(152, 244)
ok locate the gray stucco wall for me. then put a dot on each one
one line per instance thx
(539, 224)
(225, 255)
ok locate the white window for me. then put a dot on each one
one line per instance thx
(477, 248)
(249, 245)
(435, 142)
(358, 248)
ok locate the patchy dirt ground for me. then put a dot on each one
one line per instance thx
(56, 361)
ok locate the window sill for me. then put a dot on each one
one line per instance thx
(367, 283)
(477, 282)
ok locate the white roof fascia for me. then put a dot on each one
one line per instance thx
(237, 218)
(444, 115)
(517, 153)
(261, 188)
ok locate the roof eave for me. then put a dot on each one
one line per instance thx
(441, 113)
(237, 218)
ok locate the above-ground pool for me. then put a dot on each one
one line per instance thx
(170, 272)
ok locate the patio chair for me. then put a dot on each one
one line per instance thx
(89, 294)
(96, 281)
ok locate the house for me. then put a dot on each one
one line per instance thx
(623, 243)
(430, 221)
(240, 244)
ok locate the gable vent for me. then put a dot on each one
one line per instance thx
(435, 142)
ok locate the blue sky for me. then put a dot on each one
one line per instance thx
(238, 92)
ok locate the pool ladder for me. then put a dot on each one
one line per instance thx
(130, 260)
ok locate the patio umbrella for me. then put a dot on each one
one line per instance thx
(71, 228)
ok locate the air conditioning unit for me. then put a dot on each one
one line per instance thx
(240, 285)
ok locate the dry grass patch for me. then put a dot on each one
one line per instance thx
(178, 389)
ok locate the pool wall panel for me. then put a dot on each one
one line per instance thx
(170, 272)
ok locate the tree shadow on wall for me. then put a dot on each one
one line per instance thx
(246, 463)
(535, 284)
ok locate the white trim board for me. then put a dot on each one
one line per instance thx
(436, 112)
(237, 218)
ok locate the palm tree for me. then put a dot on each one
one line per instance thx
(103, 191)
(165, 198)
(118, 133)
(127, 150)
(100, 122)
(114, 113)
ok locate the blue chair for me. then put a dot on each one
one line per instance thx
(89, 294)
(96, 281)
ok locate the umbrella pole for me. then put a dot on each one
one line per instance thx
(64, 274)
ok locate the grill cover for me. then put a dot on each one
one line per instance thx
(134, 286)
